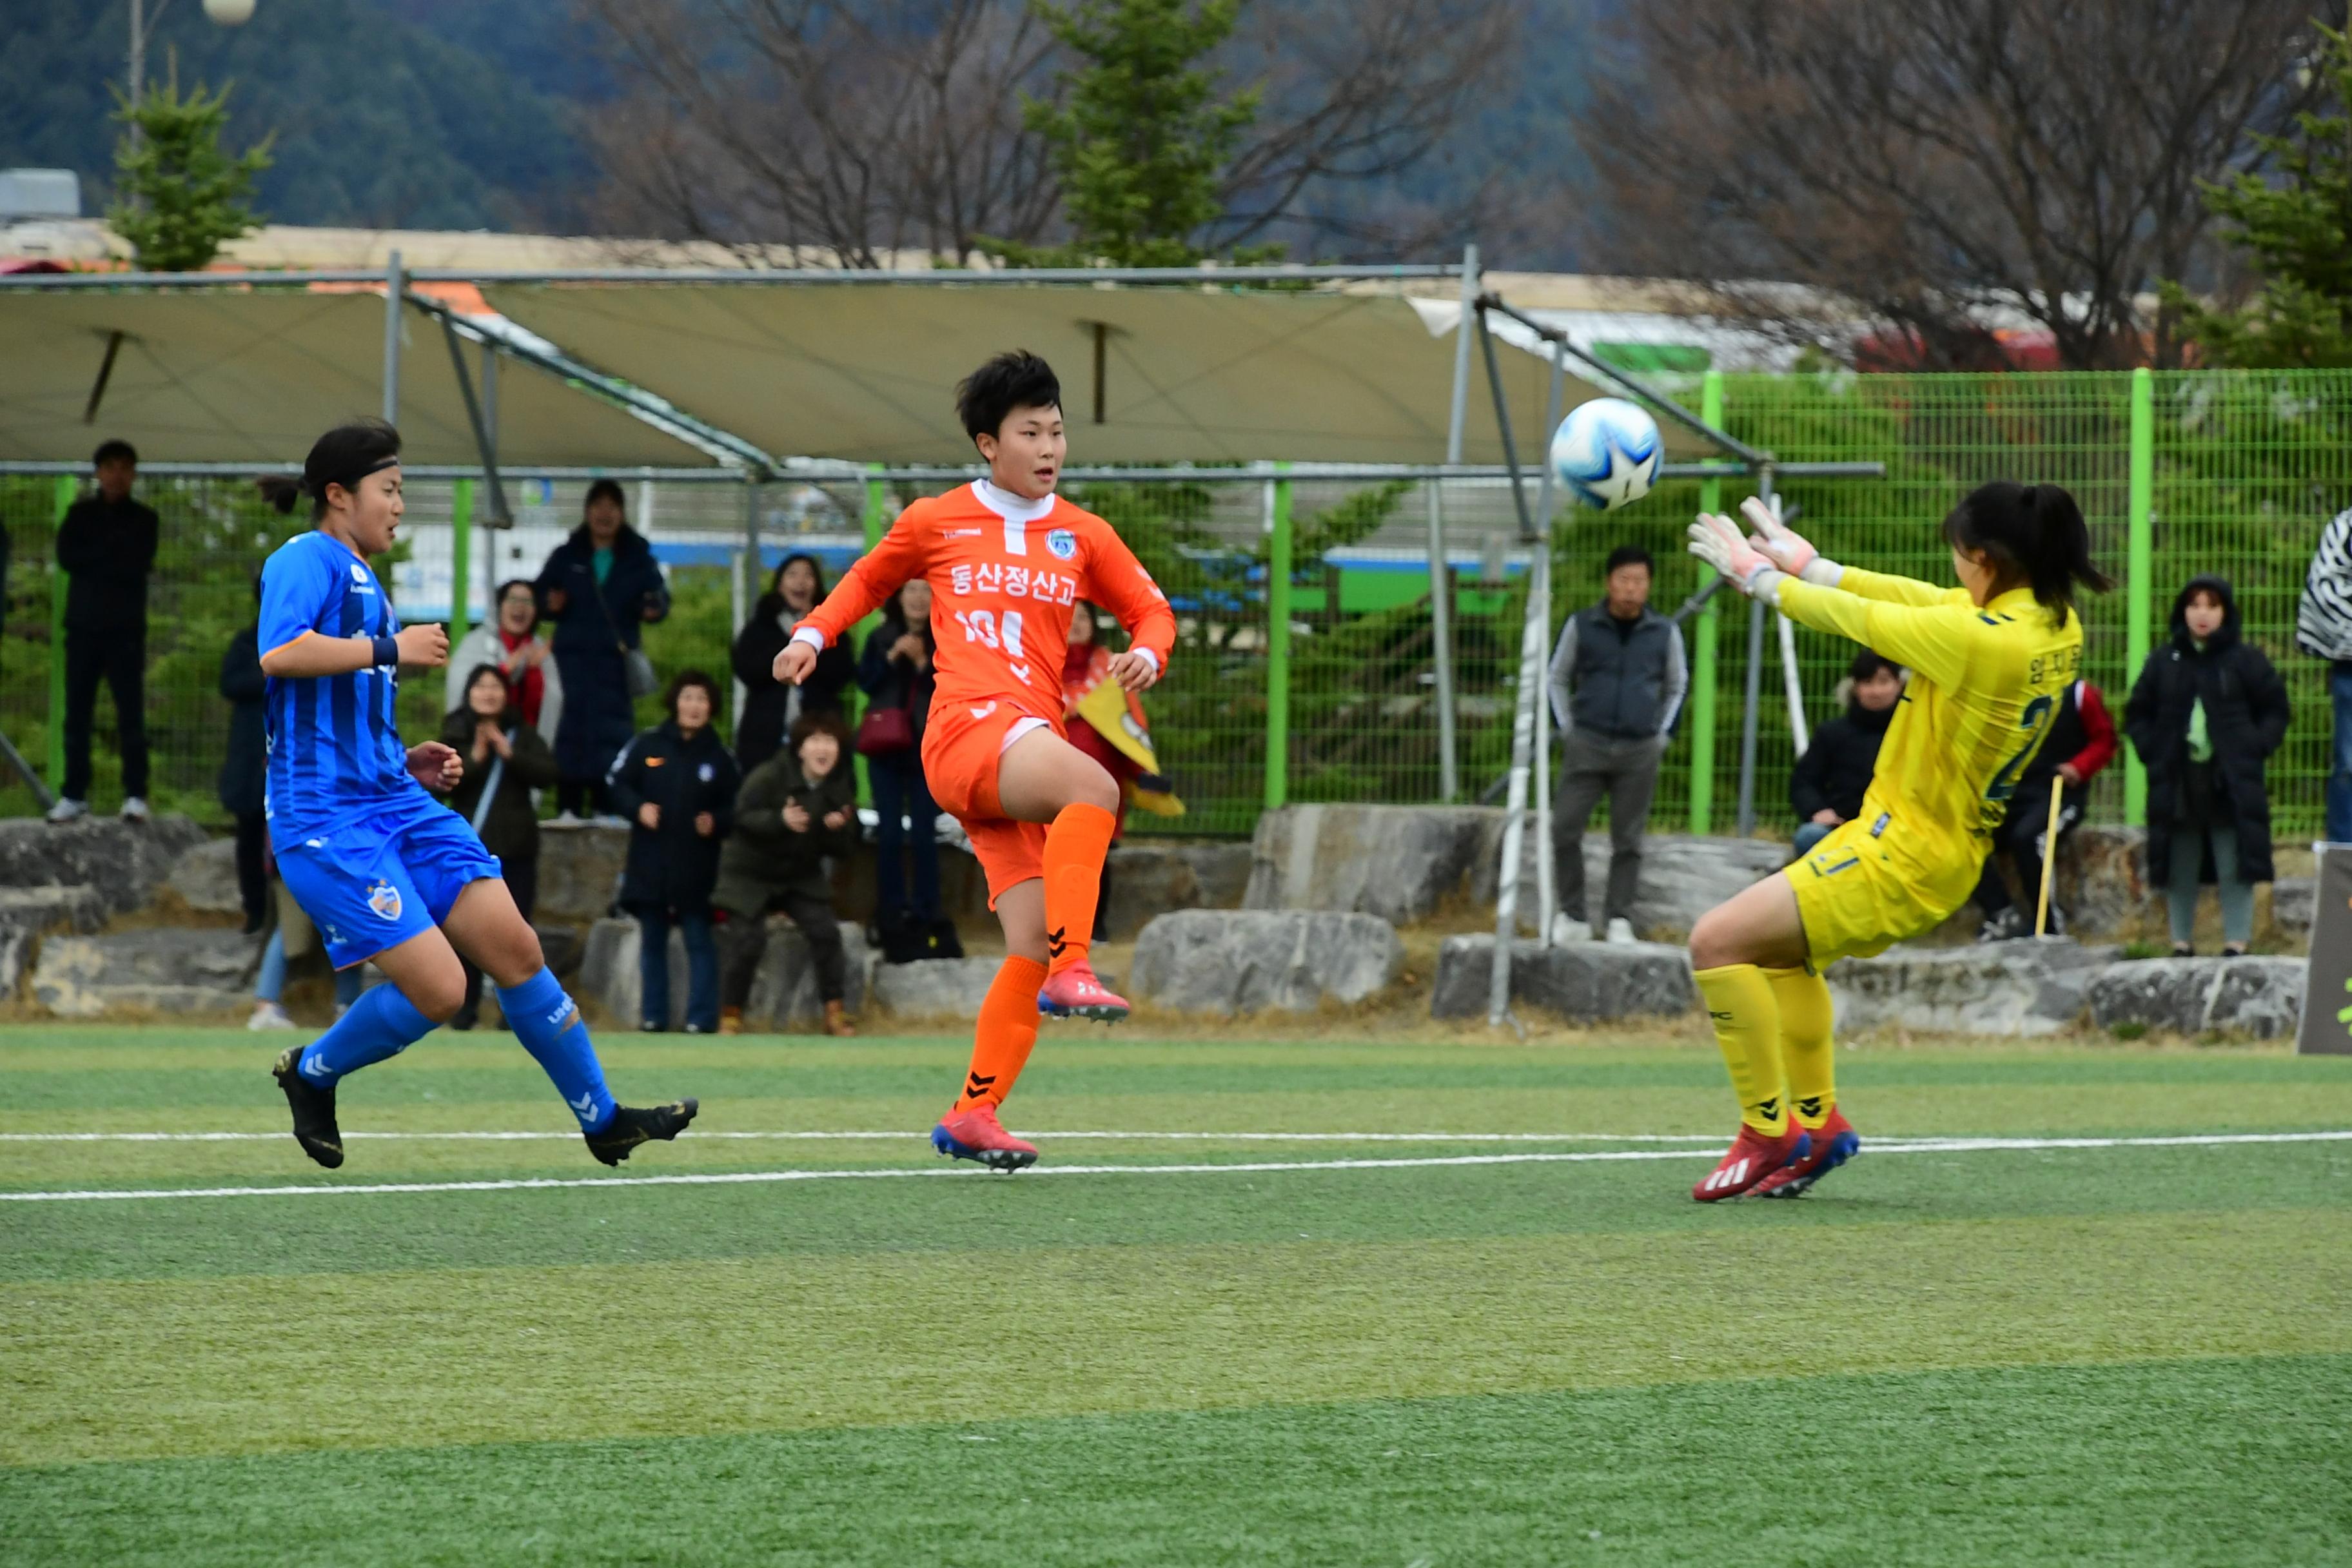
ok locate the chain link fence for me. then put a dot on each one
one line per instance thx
(2243, 469)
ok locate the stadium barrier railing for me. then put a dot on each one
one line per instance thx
(1318, 683)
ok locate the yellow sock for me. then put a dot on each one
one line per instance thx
(1747, 1027)
(1803, 997)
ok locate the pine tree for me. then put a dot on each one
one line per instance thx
(180, 197)
(1141, 135)
(2299, 231)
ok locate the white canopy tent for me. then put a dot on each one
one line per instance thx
(241, 375)
(867, 370)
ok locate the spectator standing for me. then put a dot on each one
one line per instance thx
(506, 759)
(772, 707)
(245, 767)
(1618, 676)
(895, 670)
(677, 783)
(511, 643)
(2206, 711)
(2081, 741)
(2323, 627)
(796, 809)
(1831, 778)
(107, 546)
(601, 586)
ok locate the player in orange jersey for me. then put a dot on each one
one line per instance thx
(1007, 559)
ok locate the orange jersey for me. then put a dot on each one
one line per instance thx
(1005, 573)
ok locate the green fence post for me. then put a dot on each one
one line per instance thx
(67, 488)
(2139, 570)
(876, 497)
(1278, 647)
(461, 555)
(1702, 665)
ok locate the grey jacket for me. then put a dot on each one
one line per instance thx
(1618, 681)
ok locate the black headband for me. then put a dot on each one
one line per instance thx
(350, 480)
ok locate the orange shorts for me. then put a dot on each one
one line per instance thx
(962, 744)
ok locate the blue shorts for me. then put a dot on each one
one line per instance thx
(372, 884)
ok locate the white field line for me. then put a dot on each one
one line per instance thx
(737, 1178)
(903, 1132)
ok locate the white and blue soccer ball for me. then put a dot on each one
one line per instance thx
(1607, 452)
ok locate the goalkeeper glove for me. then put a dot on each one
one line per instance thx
(1718, 540)
(1785, 548)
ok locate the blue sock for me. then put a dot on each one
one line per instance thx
(537, 1011)
(382, 1023)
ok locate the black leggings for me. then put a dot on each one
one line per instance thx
(584, 797)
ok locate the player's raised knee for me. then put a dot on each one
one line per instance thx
(1715, 940)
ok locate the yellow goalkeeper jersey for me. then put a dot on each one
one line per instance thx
(1985, 683)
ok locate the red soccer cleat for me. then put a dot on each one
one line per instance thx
(1834, 1143)
(1752, 1156)
(976, 1134)
(1074, 992)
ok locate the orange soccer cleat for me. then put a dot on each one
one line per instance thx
(1074, 992)
(1834, 1143)
(976, 1134)
(1752, 1156)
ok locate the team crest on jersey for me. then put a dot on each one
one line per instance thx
(1063, 543)
(358, 573)
(384, 900)
(706, 772)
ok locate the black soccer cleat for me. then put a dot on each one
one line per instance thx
(631, 1126)
(314, 1109)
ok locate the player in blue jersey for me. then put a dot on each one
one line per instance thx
(386, 871)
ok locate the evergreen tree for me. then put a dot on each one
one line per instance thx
(2299, 230)
(1141, 135)
(180, 195)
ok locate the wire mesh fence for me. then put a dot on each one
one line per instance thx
(2246, 468)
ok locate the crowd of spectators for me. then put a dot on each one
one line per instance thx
(540, 699)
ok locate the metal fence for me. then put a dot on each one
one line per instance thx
(1306, 669)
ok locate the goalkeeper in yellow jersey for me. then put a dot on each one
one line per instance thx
(1989, 661)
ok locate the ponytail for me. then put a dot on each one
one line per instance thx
(2032, 535)
(279, 491)
(344, 456)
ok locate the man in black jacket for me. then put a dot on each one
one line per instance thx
(1617, 681)
(1834, 772)
(107, 546)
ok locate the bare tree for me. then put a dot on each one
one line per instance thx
(790, 127)
(1357, 92)
(1923, 161)
(851, 129)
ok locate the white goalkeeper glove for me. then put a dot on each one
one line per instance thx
(1785, 548)
(1716, 539)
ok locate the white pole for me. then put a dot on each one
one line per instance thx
(1441, 609)
(1514, 805)
(392, 292)
(1789, 684)
(1527, 703)
(1547, 893)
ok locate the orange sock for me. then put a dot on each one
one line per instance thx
(1077, 842)
(1007, 1029)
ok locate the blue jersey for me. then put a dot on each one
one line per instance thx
(334, 754)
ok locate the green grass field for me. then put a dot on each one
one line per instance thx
(1339, 1349)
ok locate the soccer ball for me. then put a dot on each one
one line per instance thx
(229, 13)
(1607, 452)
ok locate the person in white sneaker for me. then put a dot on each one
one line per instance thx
(106, 546)
(1617, 682)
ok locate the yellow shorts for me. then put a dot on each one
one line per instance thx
(1870, 885)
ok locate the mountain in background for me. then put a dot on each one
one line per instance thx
(460, 114)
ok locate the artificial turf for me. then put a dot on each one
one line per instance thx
(1949, 1354)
